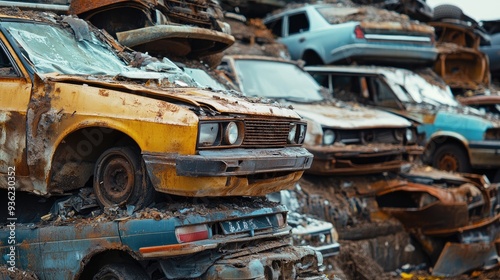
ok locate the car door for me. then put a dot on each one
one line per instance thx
(15, 92)
(296, 32)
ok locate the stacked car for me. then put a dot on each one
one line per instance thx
(180, 139)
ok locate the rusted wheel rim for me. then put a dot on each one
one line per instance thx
(448, 162)
(116, 181)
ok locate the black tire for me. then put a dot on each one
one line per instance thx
(447, 11)
(451, 157)
(121, 271)
(120, 178)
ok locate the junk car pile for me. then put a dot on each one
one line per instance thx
(163, 162)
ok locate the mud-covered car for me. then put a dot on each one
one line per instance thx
(239, 238)
(326, 34)
(75, 113)
(344, 138)
(182, 28)
(457, 138)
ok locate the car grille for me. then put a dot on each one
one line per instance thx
(386, 136)
(265, 132)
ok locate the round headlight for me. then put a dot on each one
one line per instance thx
(231, 133)
(410, 137)
(292, 132)
(328, 137)
(208, 134)
(398, 134)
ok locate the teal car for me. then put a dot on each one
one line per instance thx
(240, 238)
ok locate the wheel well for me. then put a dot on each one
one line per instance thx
(437, 142)
(92, 264)
(75, 157)
(312, 58)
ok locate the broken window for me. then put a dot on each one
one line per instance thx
(6, 66)
(347, 88)
(297, 23)
(383, 94)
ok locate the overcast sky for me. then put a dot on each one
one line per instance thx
(476, 9)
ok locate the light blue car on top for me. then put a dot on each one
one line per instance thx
(325, 33)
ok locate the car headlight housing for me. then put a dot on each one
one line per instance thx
(297, 133)
(328, 137)
(231, 133)
(209, 132)
(399, 135)
(222, 133)
(492, 134)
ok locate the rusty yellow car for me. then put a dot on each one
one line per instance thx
(79, 110)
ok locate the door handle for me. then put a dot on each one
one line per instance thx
(302, 40)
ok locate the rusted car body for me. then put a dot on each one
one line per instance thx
(181, 28)
(460, 62)
(251, 242)
(73, 113)
(344, 138)
(455, 217)
(457, 138)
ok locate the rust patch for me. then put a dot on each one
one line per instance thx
(103, 92)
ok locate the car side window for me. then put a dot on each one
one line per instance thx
(6, 67)
(384, 95)
(276, 26)
(347, 88)
(297, 23)
(323, 80)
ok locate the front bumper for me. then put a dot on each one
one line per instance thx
(384, 52)
(236, 172)
(357, 159)
(283, 263)
(485, 154)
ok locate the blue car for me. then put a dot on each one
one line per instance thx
(244, 238)
(326, 34)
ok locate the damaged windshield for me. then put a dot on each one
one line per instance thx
(51, 48)
(276, 80)
(417, 89)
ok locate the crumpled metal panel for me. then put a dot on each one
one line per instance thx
(438, 210)
(458, 258)
(460, 62)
